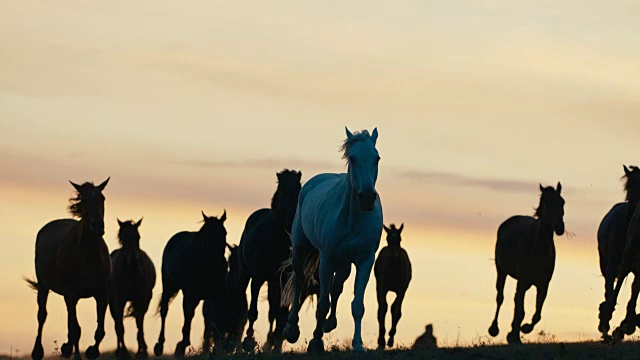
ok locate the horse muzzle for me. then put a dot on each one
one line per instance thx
(559, 229)
(367, 200)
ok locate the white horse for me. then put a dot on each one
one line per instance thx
(339, 217)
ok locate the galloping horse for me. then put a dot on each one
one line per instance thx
(72, 259)
(236, 309)
(264, 246)
(393, 273)
(526, 252)
(193, 262)
(339, 219)
(612, 239)
(132, 280)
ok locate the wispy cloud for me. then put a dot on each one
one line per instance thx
(259, 163)
(501, 185)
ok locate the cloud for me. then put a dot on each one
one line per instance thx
(258, 163)
(499, 185)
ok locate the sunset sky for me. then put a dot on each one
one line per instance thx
(195, 106)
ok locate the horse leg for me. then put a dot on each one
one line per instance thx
(116, 308)
(298, 256)
(316, 345)
(606, 311)
(73, 335)
(396, 314)
(514, 336)
(541, 295)
(336, 290)
(502, 277)
(102, 300)
(628, 325)
(189, 304)
(604, 317)
(141, 308)
(43, 294)
(164, 309)
(274, 304)
(382, 313)
(249, 342)
(363, 272)
(281, 321)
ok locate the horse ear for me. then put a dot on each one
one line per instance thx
(119, 222)
(224, 216)
(139, 222)
(203, 215)
(626, 170)
(385, 228)
(541, 187)
(374, 136)
(278, 175)
(104, 184)
(559, 187)
(76, 186)
(401, 227)
(349, 134)
(299, 175)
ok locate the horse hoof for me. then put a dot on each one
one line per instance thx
(249, 344)
(617, 335)
(122, 353)
(180, 348)
(359, 348)
(330, 324)
(158, 349)
(142, 354)
(291, 333)
(514, 339)
(65, 350)
(390, 342)
(603, 327)
(92, 352)
(494, 330)
(527, 328)
(38, 352)
(381, 343)
(316, 346)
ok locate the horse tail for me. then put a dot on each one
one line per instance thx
(33, 284)
(310, 267)
(159, 303)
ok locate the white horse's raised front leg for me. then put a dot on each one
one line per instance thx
(363, 271)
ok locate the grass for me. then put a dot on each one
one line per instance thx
(531, 351)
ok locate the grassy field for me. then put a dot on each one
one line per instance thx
(582, 351)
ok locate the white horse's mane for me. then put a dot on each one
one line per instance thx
(349, 141)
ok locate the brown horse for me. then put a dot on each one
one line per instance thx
(393, 273)
(132, 280)
(526, 252)
(72, 259)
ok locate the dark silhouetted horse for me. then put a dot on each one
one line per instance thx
(133, 277)
(612, 238)
(72, 259)
(393, 273)
(236, 309)
(426, 340)
(193, 262)
(264, 246)
(525, 251)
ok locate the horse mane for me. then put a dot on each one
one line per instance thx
(350, 141)
(544, 192)
(631, 186)
(75, 202)
(286, 173)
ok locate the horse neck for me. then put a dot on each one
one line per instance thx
(544, 235)
(87, 240)
(632, 204)
(350, 207)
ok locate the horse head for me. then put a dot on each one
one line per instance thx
(362, 157)
(88, 205)
(285, 199)
(213, 233)
(393, 234)
(128, 234)
(551, 208)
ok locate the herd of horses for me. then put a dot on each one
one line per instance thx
(302, 246)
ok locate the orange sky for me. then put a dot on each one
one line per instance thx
(191, 107)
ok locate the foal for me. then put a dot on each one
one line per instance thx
(526, 252)
(72, 259)
(393, 273)
(193, 262)
(132, 280)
